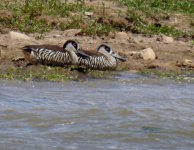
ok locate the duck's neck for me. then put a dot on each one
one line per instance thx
(111, 60)
(73, 57)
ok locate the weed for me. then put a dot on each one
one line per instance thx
(167, 30)
(186, 75)
(25, 15)
(140, 12)
(156, 6)
(95, 28)
(42, 73)
(58, 74)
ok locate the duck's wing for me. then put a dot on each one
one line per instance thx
(92, 53)
(29, 48)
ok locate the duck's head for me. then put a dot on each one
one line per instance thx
(107, 51)
(73, 46)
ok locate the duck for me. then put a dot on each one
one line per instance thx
(104, 59)
(53, 55)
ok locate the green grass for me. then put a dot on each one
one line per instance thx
(25, 15)
(57, 74)
(142, 25)
(88, 26)
(142, 12)
(35, 8)
(184, 75)
(150, 7)
(142, 15)
(95, 28)
(167, 30)
(52, 7)
(43, 73)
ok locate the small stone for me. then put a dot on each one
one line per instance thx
(186, 63)
(147, 54)
(165, 39)
(168, 39)
(18, 36)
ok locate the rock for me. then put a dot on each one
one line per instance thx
(165, 39)
(186, 63)
(18, 36)
(168, 39)
(147, 54)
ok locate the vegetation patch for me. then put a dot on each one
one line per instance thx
(184, 75)
(25, 15)
(30, 15)
(149, 7)
(144, 15)
(58, 74)
(41, 73)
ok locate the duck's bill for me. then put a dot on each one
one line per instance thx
(82, 54)
(119, 57)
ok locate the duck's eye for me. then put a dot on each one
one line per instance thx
(107, 49)
(75, 45)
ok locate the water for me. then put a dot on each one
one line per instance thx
(128, 112)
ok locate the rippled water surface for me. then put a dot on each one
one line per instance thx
(128, 112)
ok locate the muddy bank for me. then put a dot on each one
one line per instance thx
(101, 22)
(169, 54)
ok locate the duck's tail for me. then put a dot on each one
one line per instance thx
(28, 49)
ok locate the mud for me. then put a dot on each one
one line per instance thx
(168, 54)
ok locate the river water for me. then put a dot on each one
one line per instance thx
(129, 112)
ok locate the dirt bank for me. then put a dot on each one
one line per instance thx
(171, 55)
(98, 22)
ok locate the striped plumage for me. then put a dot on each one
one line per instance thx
(51, 54)
(50, 57)
(105, 59)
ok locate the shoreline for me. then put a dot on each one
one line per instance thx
(167, 58)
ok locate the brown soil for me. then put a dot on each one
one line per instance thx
(169, 56)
